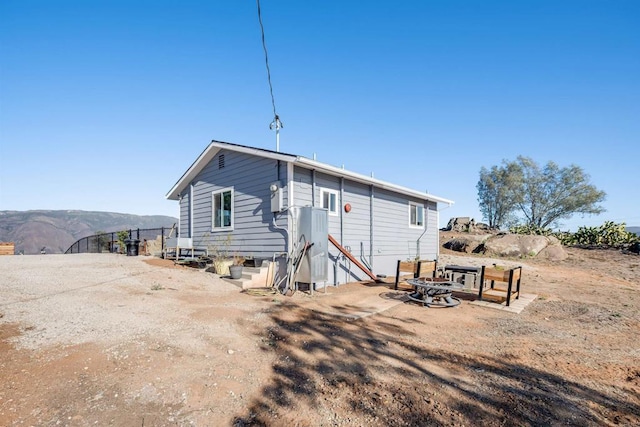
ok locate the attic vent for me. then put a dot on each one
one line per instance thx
(220, 161)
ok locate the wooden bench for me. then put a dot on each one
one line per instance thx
(415, 269)
(508, 284)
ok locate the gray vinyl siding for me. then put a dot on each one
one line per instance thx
(356, 223)
(330, 183)
(249, 177)
(356, 230)
(394, 238)
(323, 181)
(184, 225)
(302, 187)
(431, 240)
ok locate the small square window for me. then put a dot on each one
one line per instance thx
(329, 200)
(416, 215)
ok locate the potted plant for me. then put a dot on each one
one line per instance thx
(235, 269)
(218, 250)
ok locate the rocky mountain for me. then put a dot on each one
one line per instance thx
(57, 230)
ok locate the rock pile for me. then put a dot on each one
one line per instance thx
(472, 237)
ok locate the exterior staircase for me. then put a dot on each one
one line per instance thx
(252, 277)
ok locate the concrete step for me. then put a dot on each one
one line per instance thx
(252, 277)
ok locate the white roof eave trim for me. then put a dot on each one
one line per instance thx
(332, 170)
(215, 146)
(208, 154)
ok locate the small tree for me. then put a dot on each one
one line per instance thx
(543, 196)
(496, 196)
(122, 236)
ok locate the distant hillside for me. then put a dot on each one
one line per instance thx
(634, 230)
(57, 230)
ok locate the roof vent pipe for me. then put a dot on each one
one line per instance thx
(276, 125)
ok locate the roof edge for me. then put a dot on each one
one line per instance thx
(210, 152)
(333, 170)
(215, 146)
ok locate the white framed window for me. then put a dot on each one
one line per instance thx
(222, 209)
(329, 200)
(416, 215)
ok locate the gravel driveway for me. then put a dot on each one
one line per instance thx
(96, 335)
(112, 340)
(74, 299)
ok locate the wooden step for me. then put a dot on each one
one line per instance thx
(497, 295)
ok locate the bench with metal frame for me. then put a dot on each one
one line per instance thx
(420, 268)
(509, 280)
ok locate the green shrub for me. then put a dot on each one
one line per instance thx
(122, 236)
(609, 234)
(531, 230)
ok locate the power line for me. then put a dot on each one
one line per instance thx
(276, 124)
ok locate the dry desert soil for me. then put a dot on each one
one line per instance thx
(110, 340)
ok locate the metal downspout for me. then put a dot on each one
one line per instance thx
(371, 228)
(286, 232)
(191, 211)
(437, 236)
(426, 226)
(290, 202)
(313, 187)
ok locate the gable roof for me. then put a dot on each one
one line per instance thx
(215, 146)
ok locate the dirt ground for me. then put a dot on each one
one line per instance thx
(136, 341)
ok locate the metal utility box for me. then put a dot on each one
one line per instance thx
(276, 197)
(313, 226)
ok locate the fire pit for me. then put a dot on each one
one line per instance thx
(436, 292)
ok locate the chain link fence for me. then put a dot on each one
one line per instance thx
(152, 241)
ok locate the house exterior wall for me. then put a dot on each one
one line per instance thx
(376, 230)
(253, 233)
(355, 234)
(394, 238)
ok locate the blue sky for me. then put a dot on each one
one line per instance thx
(104, 104)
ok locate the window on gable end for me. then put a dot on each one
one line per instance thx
(416, 215)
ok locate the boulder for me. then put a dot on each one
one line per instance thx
(458, 224)
(553, 252)
(468, 243)
(517, 245)
(465, 224)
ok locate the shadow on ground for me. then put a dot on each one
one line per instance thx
(331, 371)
